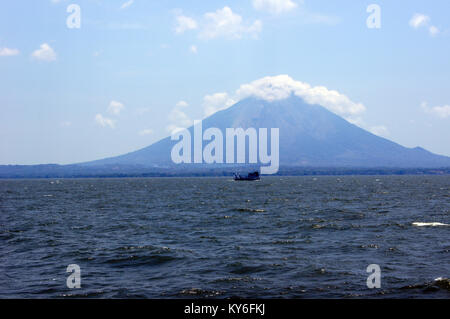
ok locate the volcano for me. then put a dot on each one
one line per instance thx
(309, 136)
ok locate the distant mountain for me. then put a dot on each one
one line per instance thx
(310, 136)
(313, 140)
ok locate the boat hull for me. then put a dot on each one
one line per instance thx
(250, 177)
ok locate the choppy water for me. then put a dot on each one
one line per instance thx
(297, 237)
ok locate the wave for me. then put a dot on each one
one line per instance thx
(434, 224)
(133, 260)
(436, 285)
(443, 283)
(200, 292)
(249, 210)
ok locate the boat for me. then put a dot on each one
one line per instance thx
(250, 177)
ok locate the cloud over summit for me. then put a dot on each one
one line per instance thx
(272, 88)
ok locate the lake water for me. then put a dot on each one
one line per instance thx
(281, 237)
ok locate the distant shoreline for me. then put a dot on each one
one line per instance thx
(76, 171)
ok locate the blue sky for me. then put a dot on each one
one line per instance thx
(136, 69)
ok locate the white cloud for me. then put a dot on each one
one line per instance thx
(419, 20)
(380, 131)
(126, 4)
(193, 49)
(178, 119)
(184, 23)
(356, 120)
(115, 107)
(220, 23)
(146, 132)
(8, 52)
(279, 87)
(45, 53)
(104, 121)
(434, 31)
(182, 104)
(274, 6)
(216, 102)
(277, 7)
(225, 23)
(440, 111)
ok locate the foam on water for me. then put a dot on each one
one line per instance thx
(433, 224)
